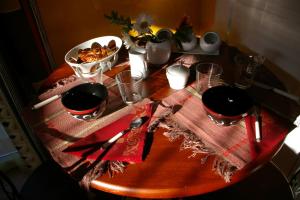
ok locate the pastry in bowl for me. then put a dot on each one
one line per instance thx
(86, 101)
(88, 58)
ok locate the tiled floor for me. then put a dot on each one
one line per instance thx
(15, 171)
(11, 163)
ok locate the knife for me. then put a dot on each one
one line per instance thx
(257, 124)
(45, 102)
(278, 91)
(53, 98)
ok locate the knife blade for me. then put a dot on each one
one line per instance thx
(278, 91)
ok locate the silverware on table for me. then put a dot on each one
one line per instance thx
(45, 102)
(133, 124)
(94, 170)
(278, 91)
(53, 98)
(258, 133)
(92, 167)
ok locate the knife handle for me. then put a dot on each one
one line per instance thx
(257, 130)
(290, 96)
(113, 139)
(45, 102)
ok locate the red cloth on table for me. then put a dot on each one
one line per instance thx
(128, 148)
(233, 143)
(272, 134)
(57, 129)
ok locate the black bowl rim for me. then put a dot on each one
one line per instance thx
(83, 112)
(218, 114)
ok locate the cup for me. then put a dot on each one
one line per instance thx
(246, 69)
(137, 62)
(130, 86)
(207, 76)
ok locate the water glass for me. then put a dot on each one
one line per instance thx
(130, 86)
(208, 75)
(247, 68)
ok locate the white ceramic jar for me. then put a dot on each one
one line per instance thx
(177, 75)
(158, 52)
(210, 42)
(187, 46)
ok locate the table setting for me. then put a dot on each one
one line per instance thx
(183, 104)
(235, 150)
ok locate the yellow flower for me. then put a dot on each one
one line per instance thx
(143, 23)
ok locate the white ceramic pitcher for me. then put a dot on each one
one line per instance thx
(137, 61)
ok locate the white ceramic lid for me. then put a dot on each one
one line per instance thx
(178, 70)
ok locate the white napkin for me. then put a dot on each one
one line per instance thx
(292, 140)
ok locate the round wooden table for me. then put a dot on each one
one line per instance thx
(166, 171)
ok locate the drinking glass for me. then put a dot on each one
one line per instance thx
(247, 67)
(130, 86)
(207, 75)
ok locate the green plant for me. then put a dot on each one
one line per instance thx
(184, 31)
(125, 23)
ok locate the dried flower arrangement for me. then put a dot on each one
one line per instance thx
(139, 30)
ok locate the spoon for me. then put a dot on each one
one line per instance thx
(133, 124)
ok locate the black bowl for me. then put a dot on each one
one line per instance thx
(226, 105)
(86, 101)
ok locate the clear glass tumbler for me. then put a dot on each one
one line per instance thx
(208, 75)
(247, 68)
(130, 86)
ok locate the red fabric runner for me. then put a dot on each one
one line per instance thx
(128, 148)
(235, 143)
(272, 134)
(57, 129)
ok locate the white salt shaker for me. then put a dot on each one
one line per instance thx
(177, 75)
